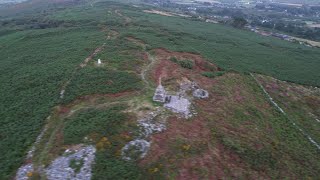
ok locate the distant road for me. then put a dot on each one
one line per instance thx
(11, 1)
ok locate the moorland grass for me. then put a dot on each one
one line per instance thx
(34, 64)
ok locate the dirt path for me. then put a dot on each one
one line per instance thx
(126, 18)
(144, 72)
(151, 58)
(51, 137)
(82, 65)
(92, 55)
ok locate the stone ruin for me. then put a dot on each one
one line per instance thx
(160, 93)
(180, 102)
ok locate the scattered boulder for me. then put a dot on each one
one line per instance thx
(135, 149)
(150, 125)
(200, 93)
(25, 172)
(60, 168)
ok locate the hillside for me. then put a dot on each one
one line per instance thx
(64, 114)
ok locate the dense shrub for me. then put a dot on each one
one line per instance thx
(210, 74)
(91, 80)
(105, 122)
(34, 65)
(174, 59)
(188, 64)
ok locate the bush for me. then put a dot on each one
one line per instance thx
(213, 74)
(174, 59)
(208, 74)
(219, 73)
(188, 64)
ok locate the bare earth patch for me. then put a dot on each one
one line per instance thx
(158, 12)
(169, 70)
(163, 13)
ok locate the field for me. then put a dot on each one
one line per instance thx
(237, 132)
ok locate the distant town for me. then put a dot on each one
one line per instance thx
(293, 22)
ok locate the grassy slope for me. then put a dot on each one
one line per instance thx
(299, 102)
(100, 81)
(229, 47)
(46, 58)
(237, 133)
(107, 128)
(34, 65)
(98, 117)
(264, 138)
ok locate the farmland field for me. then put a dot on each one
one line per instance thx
(50, 78)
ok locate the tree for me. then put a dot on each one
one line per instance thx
(239, 22)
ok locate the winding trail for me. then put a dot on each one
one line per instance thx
(144, 72)
(55, 122)
(126, 18)
(81, 65)
(285, 114)
(152, 59)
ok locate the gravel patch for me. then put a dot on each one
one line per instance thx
(23, 172)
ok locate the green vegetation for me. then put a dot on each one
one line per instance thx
(105, 127)
(121, 54)
(102, 122)
(299, 102)
(34, 65)
(227, 47)
(39, 57)
(245, 130)
(261, 136)
(174, 59)
(76, 164)
(258, 159)
(210, 74)
(90, 80)
(239, 22)
(107, 166)
(188, 64)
